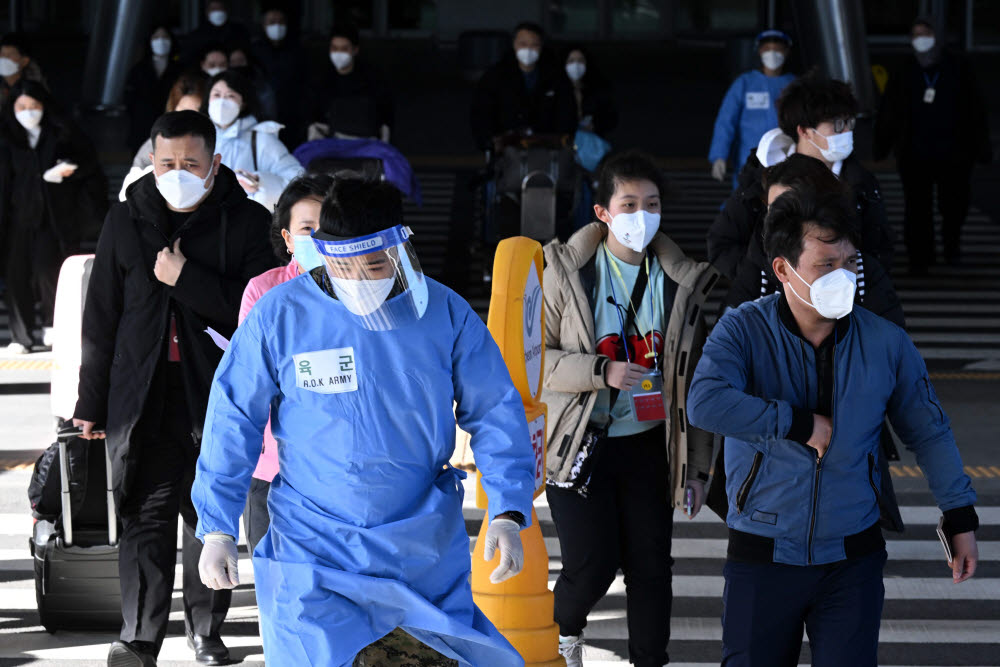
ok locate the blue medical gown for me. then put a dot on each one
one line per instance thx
(367, 532)
(747, 112)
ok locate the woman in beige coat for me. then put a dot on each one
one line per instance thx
(623, 331)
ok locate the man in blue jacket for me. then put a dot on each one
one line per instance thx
(799, 383)
(748, 109)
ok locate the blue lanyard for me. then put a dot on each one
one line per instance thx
(621, 321)
(931, 84)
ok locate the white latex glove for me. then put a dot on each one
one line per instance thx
(719, 169)
(505, 535)
(219, 562)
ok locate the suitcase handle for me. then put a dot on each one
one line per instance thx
(63, 437)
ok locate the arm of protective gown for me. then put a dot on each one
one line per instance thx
(726, 123)
(490, 409)
(238, 409)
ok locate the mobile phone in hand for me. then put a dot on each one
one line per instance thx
(945, 542)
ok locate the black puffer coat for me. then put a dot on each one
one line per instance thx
(125, 322)
(742, 217)
(69, 208)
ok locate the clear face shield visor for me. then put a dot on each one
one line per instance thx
(376, 277)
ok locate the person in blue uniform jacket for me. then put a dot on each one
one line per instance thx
(363, 366)
(747, 110)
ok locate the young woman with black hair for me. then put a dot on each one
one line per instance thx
(51, 188)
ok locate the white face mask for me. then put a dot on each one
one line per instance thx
(772, 59)
(276, 31)
(212, 71)
(29, 118)
(217, 18)
(341, 59)
(8, 67)
(223, 111)
(922, 44)
(839, 146)
(832, 295)
(575, 71)
(527, 57)
(181, 188)
(160, 46)
(635, 230)
(362, 297)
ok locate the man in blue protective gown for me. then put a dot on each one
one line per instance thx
(748, 110)
(363, 366)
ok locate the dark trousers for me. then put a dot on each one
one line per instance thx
(256, 520)
(160, 490)
(953, 183)
(32, 272)
(765, 606)
(625, 522)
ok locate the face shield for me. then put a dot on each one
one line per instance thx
(376, 277)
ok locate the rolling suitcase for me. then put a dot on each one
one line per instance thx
(76, 557)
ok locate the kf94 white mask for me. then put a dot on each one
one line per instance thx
(635, 230)
(181, 188)
(832, 295)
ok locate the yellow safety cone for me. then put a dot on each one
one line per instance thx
(521, 607)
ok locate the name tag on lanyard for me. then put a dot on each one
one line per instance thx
(930, 91)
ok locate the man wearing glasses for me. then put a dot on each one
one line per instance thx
(816, 117)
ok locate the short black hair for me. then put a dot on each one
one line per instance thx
(793, 211)
(183, 123)
(625, 167)
(240, 83)
(530, 27)
(306, 186)
(348, 31)
(17, 40)
(813, 99)
(358, 207)
(799, 170)
(212, 48)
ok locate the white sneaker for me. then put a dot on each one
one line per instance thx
(48, 335)
(571, 648)
(17, 348)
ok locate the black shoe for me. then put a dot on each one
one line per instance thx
(132, 654)
(209, 650)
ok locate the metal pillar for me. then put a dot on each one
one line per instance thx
(119, 26)
(831, 36)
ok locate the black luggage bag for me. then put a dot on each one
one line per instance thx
(76, 554)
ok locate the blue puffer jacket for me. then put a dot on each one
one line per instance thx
(754, 374)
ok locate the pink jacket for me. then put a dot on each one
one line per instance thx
(267, 465)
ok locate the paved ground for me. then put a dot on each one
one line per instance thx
(927, 620)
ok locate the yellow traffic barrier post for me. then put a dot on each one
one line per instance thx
(521, 607)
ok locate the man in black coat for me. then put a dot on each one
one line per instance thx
(526, 90)
(933, 118)
(172, 262)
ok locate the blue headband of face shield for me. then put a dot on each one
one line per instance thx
(337, 246)
(387, 290)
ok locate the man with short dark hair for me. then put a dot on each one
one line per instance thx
(934, 119)
(816, 117)
(352, 98)
(172, 262)
(363, 366)
(526, 90)
(16, 63)
(800, 383)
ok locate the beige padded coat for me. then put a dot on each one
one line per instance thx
(574, 373)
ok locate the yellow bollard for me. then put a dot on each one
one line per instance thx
(521, 607)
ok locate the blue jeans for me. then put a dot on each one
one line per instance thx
(765, 606)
